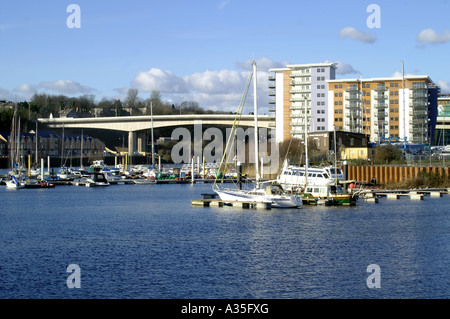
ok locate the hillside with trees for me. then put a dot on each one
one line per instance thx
(43, 105)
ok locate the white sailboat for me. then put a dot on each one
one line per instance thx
(15, 174)
(277, 198)
(14, 183)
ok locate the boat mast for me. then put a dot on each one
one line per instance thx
(153, 145)
(255, 113)
(306, 142)
(335, 156)
(81, 153)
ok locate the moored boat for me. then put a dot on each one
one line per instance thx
(97, 179)
(14, 183)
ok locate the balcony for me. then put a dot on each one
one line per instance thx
(352, 115)
(418, 95)
(297, 116)
(418, 103)
(380, 96)
(380, 115)
(352, 89)
(419, 86)
(352, 97)
(380, 88)
(299, 90)
(272, 101)
(351, 106)
(271, 85)
(298, 82)
(419, 113)
(298, 99)
(295, 74)
(381, 105)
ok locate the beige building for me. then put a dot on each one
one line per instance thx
(384, 108)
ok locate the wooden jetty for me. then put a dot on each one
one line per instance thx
(413, 194)
(212, 202)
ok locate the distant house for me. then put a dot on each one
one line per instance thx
(69, 113)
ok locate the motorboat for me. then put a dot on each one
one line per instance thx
(294, 176)
(97, 179)
(331, 195)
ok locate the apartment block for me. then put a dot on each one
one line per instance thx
(442, 136)
(443, 104)
(296, 89)
(384, 108)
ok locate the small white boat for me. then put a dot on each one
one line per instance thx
(97, 180)
(64, 173)
(98, 165)
(277, 199)
(13, 183)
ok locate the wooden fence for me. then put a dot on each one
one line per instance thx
(390, 174)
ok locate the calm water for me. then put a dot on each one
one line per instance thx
(147, 241)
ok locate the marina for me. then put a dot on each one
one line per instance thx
(134, 241)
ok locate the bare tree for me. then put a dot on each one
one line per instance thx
(132, 100)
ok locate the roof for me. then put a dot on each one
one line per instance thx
(407, 77)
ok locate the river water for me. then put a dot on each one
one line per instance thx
(148, 241)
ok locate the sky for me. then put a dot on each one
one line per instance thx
(202, 50)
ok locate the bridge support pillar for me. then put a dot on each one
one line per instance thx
(141, 141)
(131, 142)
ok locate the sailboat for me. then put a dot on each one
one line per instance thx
(14, 183)
(258, 194)
(15, 174)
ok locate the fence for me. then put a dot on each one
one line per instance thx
(391, 174)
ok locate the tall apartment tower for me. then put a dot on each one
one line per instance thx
(384, 108)
(297, 88)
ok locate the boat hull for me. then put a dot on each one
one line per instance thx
(276, 201)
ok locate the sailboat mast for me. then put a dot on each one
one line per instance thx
(255, 113)
(153, 144)
(81, 150)
(306, 141)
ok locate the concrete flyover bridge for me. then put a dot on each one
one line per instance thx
(137, 125)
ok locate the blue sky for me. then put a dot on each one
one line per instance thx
(201, 49)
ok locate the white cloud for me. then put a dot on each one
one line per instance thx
(399, 74)
(343, 68)
(215, 82)
(431, 36)
(68, 87)
(212, 89)
(223, 4)
(352, 33)
(26, 88)
(6, 95)
(263, 64)
(160, 80)
(444, 85)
